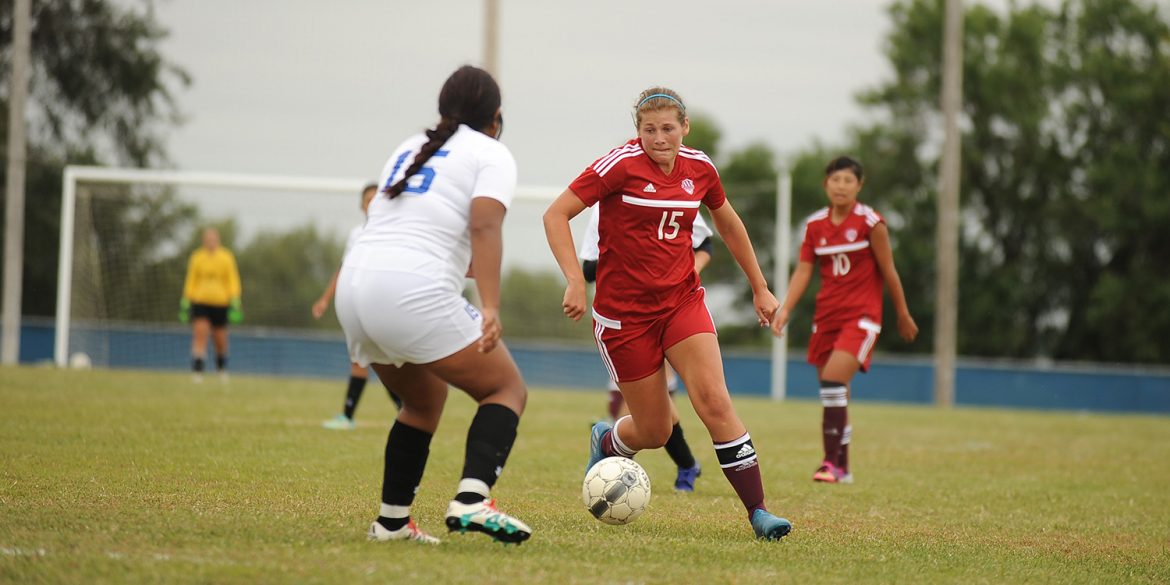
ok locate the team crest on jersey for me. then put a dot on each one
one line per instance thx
(688, 186)
(850, 234)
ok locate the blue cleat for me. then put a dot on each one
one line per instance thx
(599, 430)
(685, 482)
(768, 526)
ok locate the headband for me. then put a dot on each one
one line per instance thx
(661, 95)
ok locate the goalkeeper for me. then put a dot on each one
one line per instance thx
(211, 299)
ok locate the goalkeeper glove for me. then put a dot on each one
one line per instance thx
(184, 311)
(235, 313)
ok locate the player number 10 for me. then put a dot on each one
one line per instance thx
(672, 233)
(841, 264)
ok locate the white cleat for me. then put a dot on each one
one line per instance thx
(378, 533)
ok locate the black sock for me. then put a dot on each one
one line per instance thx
(353, 394)
(677, 448)
(489, 440)
(220, 362)
(393, 524)
(406, 458)
(197, 365)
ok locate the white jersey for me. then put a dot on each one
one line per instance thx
(589, 250)
(354, 234)
(424, 231)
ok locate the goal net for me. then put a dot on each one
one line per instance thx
(127, 234)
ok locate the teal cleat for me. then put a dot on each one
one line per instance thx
(340, 423)
(768, 526)
(485, 517)
(600, 428)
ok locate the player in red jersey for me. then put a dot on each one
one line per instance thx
(850, 243)
(649, 304)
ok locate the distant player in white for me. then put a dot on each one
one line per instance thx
(676, 446)
(358, 374)
(399, 299)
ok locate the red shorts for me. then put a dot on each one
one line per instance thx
(855, 337)
(632, 350)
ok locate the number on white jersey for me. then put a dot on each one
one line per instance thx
(672, 232)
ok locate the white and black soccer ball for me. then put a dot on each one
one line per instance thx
(616, 490)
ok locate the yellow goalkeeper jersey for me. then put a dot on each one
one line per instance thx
(212, 277)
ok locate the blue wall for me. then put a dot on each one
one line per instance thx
(280, 352)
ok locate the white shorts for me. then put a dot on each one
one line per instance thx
(399, 317)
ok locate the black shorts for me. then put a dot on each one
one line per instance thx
(217, 315)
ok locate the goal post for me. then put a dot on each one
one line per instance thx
(259, 207)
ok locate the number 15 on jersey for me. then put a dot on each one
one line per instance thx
(668, 228)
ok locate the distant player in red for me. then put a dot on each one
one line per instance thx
(649, 304)
(850, 243)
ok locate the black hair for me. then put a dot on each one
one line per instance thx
(470, 96)
(844, 163)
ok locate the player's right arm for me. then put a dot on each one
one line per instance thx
(796, 287)
(560, 241)
(322, 303)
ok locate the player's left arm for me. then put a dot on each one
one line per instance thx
(735, 237)
(879, 241)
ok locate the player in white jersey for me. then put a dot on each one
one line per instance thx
(676, 446)
(358, 375)
(399, 299)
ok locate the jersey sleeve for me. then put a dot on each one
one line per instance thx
(807, 253)
(233, 283)
(189, 283)
(601, 178)
(700, 231)
(715, 196)
(496, 178)
(589, 249)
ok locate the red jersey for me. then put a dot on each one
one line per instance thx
(645, 263)
(851, 283)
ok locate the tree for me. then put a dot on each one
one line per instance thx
(1065, 146)
(100, 93)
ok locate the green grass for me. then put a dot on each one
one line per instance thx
(125, 477)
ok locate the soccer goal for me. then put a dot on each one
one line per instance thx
(126, 235)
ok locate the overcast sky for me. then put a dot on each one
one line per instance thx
(328, 89)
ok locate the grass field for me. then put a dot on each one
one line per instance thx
(125, 477)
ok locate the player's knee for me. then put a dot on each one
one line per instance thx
(657, 434)
(713, 405)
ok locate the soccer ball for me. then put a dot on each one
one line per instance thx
(616, 490)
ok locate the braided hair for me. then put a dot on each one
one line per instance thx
(470, 96)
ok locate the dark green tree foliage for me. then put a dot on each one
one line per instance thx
(1066, 143)
(99, 85)
(282, 274)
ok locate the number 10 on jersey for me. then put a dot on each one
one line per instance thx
(668, 228)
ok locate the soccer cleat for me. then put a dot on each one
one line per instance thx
(595, 435)
(685, 482)
(769, 526)
(340, 423)
(378, 533)
(486, 518)
(224, 378)
(828, 473)
(197, 378)
(846, 478)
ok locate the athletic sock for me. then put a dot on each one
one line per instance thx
(393, 517)
(678, 449)
(407, 449)
(833, 398)
(220, 362)
(353, 394)
(197, 365)
(612, 445)
(614, 406)
(843, 454)
(738, 460)
(489, 440)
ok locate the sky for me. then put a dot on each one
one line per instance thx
(296, 87)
